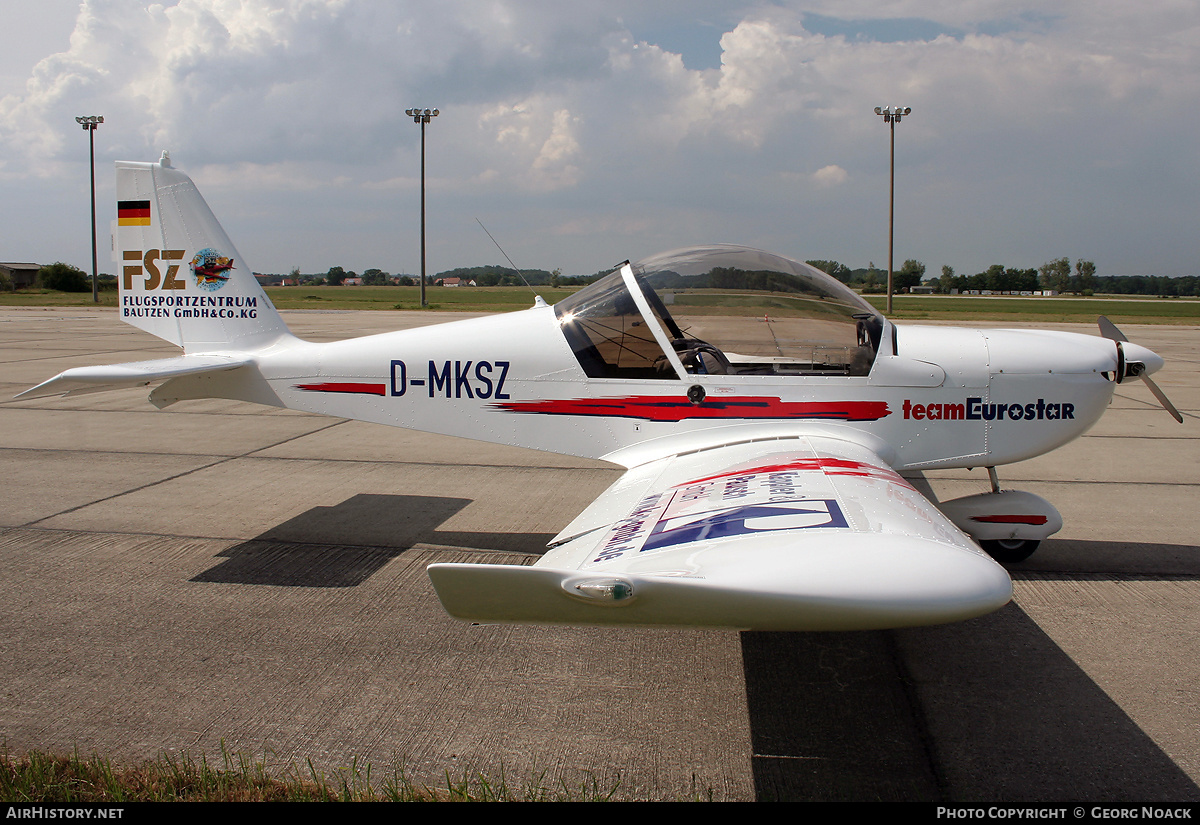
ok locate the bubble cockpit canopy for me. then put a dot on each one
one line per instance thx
(719, 310)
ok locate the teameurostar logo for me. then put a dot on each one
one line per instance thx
(976, 410)
(211, 269)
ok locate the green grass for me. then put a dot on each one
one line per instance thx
(41, 778)
(447, 299)
(957, 308)
(968, 308)
(452, 299)
(52, 298)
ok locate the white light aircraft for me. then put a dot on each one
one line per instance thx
(762, 410)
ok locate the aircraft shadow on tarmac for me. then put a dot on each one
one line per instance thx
(986, 710)
(344, 545)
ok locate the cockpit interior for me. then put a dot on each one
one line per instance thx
(719, 310)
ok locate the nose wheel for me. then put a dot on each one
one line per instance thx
(1008, 524)
(1009, 550)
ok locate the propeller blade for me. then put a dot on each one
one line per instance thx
(1162, 399)
(1109, 330)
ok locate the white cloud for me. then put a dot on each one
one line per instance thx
(554, 164)
(827, 176)
(1031, 136)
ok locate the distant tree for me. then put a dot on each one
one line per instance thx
(1085, 276)
(335, 276)
(405, 280)
(837, 270)
(64, 278)
(374, 277)
(491, 275)
(1022, 280)
(1055, 275)
(910, 275)
(993, 278)
(1147, 285)
(946, 282)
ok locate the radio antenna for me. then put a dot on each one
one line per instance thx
(510, 261)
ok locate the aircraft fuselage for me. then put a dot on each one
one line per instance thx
(948, 397)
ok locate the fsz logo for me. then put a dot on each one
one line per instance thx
(148, 264)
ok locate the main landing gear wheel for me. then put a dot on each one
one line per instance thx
(1009, 550)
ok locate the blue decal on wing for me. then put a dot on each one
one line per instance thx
(804, 514)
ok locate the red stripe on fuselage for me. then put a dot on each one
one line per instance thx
(359, 389)
(659, 408)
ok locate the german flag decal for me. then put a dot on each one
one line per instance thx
(133, 213)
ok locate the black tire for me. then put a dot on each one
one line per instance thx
(1009, 550)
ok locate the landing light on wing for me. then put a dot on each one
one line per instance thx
(614, 591)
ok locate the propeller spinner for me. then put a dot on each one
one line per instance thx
(1135, 361)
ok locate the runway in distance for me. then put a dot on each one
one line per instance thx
(762, 410)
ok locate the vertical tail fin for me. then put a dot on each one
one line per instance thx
(180, 276)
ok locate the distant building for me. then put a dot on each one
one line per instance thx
(22, 275)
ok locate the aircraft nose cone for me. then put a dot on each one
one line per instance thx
(1135, 352)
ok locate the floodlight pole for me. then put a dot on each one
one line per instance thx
(891, 115)
(422, 116)
(89, 124)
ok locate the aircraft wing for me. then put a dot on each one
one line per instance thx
(81, 380)
(798, 533)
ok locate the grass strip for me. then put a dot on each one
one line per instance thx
(40, 778)
(964, 309)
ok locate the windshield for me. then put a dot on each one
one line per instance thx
(725, 310)
(608, 334)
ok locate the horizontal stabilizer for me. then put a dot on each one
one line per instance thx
(81, 380)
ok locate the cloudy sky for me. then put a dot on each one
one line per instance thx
(583, 133)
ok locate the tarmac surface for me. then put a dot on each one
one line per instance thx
(220, 575)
